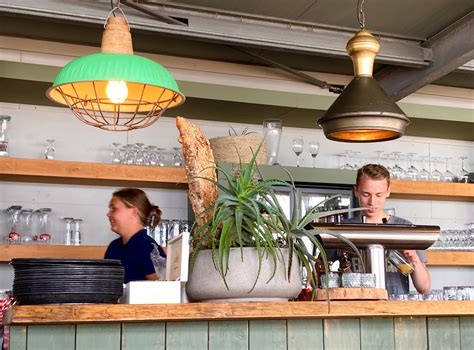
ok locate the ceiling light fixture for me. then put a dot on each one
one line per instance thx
(363, 112)
(116, 90)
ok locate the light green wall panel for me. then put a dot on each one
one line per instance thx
(304, 332)
(410, 333)
(143, 336)
(186, 335)
(377, 333)
(342, 334)
(18, 337)
(225, 335)
(267, 334)
(466, 328)
(57, 337)
(98, 336)
(443, 333)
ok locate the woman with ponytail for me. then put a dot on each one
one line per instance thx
(129, 212)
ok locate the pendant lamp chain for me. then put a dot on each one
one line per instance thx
(361, 14)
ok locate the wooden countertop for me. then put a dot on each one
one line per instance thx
(104, 313)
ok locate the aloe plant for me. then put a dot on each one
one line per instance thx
(248, 214)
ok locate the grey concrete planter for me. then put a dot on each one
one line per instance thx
(205, 283)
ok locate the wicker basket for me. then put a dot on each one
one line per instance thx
(240, 148)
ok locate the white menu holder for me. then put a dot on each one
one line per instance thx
(171, 291)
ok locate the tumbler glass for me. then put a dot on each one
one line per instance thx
(76, 232)
(25, 226)
(68, 230)
(4, 121)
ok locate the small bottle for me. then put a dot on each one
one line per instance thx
(76, 232)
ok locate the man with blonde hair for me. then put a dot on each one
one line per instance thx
(372, 188)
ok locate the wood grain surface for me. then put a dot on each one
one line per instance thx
(102, 313)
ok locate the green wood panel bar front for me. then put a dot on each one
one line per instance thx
(443, 333)
(57, 337)
(186, 335)
(142, 336)
(228, 335)
(304, 332)
(342, 334)
(377, 333)
(98, 336)
(267, 334)
(466, 328)
(410, 333)
(18, 337)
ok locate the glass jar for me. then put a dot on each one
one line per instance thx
(25, 226)
(351, 280)
(13, 219)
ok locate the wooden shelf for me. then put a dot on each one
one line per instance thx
(103, 313)
(432, 190)
(10, 251)
(83, 173)
(449, 258)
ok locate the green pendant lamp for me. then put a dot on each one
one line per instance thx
(116, 90)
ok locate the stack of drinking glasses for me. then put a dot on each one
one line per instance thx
(168, 229)
(139, 154)
(455, 239)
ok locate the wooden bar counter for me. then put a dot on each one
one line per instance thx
(249, 325)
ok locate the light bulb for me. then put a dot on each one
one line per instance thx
(117, 91)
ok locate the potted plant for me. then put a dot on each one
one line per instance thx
(248, 249)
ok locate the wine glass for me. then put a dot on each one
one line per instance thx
(397, 170)
(424, 174)
(463, 173)
(436, 175)
(298, 145)
(177, 160)
(448, 176)
(314, 150)
(116, 155)
(160, 157)
(49, 151)
(347, 165)
(139, 153)
(412, 172)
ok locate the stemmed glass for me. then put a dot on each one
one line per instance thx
(139, 153)
(116, 155)
(298, 145)
(314, 150)
(463, 173)
(347, 165)
(160, 158)
(436, 175)
(448, 176)
(424, 174)
(150, 155)
(128, 154)
(49, 151)
(177, 160)
(397, 170)
(412, 172)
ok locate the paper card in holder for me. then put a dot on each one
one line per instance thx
(170, 291)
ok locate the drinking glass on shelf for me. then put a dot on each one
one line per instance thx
(424, 174)
(463, 173)
(314, 150)
(177, 159)
(150, 156)
(49, 152)
(128, 154)
(412, 172)
(160, 157)
(25, 226)
(397, 170)
(347, 165)
(139, 154)
(379, 156)
(448, 176)
(355, 163)
(116, 155)
(436, 175)
(272, 129)
(298, 145)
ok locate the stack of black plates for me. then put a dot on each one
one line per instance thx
(54, 281)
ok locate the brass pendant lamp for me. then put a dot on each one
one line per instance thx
(363, 112)
(116, 90)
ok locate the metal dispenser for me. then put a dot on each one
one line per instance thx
(375, 238)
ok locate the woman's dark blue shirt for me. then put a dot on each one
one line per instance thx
(134, 256)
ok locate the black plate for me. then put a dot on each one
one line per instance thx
(28, 261)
